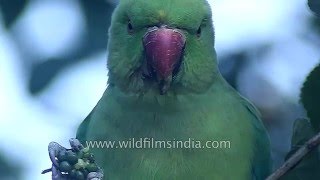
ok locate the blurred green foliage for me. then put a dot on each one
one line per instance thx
(11, 9)
(98, 16)
(41, 73)
(8, 169)
(305, 129)
(310, 97)
(314, 6)
(309, 167)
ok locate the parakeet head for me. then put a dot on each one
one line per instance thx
(165, 45)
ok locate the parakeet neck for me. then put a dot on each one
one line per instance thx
(151, 110)
(175, 99)
(182, 83)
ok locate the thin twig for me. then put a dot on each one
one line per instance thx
(296, 157)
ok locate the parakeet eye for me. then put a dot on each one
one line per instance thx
(199, 32)
(130, 28)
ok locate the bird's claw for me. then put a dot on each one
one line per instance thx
(95, 175)
(75, 144)
(73, 162)
(54, 149)
(57, 175)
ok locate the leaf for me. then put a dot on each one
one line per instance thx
(9, 167)
(43, 74)
(314, 5)
(98, 19)
(309, 167)
(305, 129)
(11, 10)
(310, 97)
(98, 16)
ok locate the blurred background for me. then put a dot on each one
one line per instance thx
(53, 57)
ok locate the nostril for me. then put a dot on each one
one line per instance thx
(151, 29)
(164, 26)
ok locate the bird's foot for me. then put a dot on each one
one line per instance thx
(95, 175)
(74, 163)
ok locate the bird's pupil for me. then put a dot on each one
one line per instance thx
(130, 26)
(199, 31)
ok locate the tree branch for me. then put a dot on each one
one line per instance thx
(296, 157)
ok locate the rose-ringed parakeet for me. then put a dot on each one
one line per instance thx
(164, 84)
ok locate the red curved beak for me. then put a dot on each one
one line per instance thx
(164, 49)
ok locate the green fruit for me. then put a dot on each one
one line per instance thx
(79, 175)
(62, 156)
(72, 158)
(70, 152)
(73, 173)
(64, 166)
(86, 155)
(80, 164)
(92, 167)
(80, 154)
(85, 150)
(85, 172)
(91, 158)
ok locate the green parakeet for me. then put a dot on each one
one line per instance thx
(164, 84)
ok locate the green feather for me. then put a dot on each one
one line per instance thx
(199, 104)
